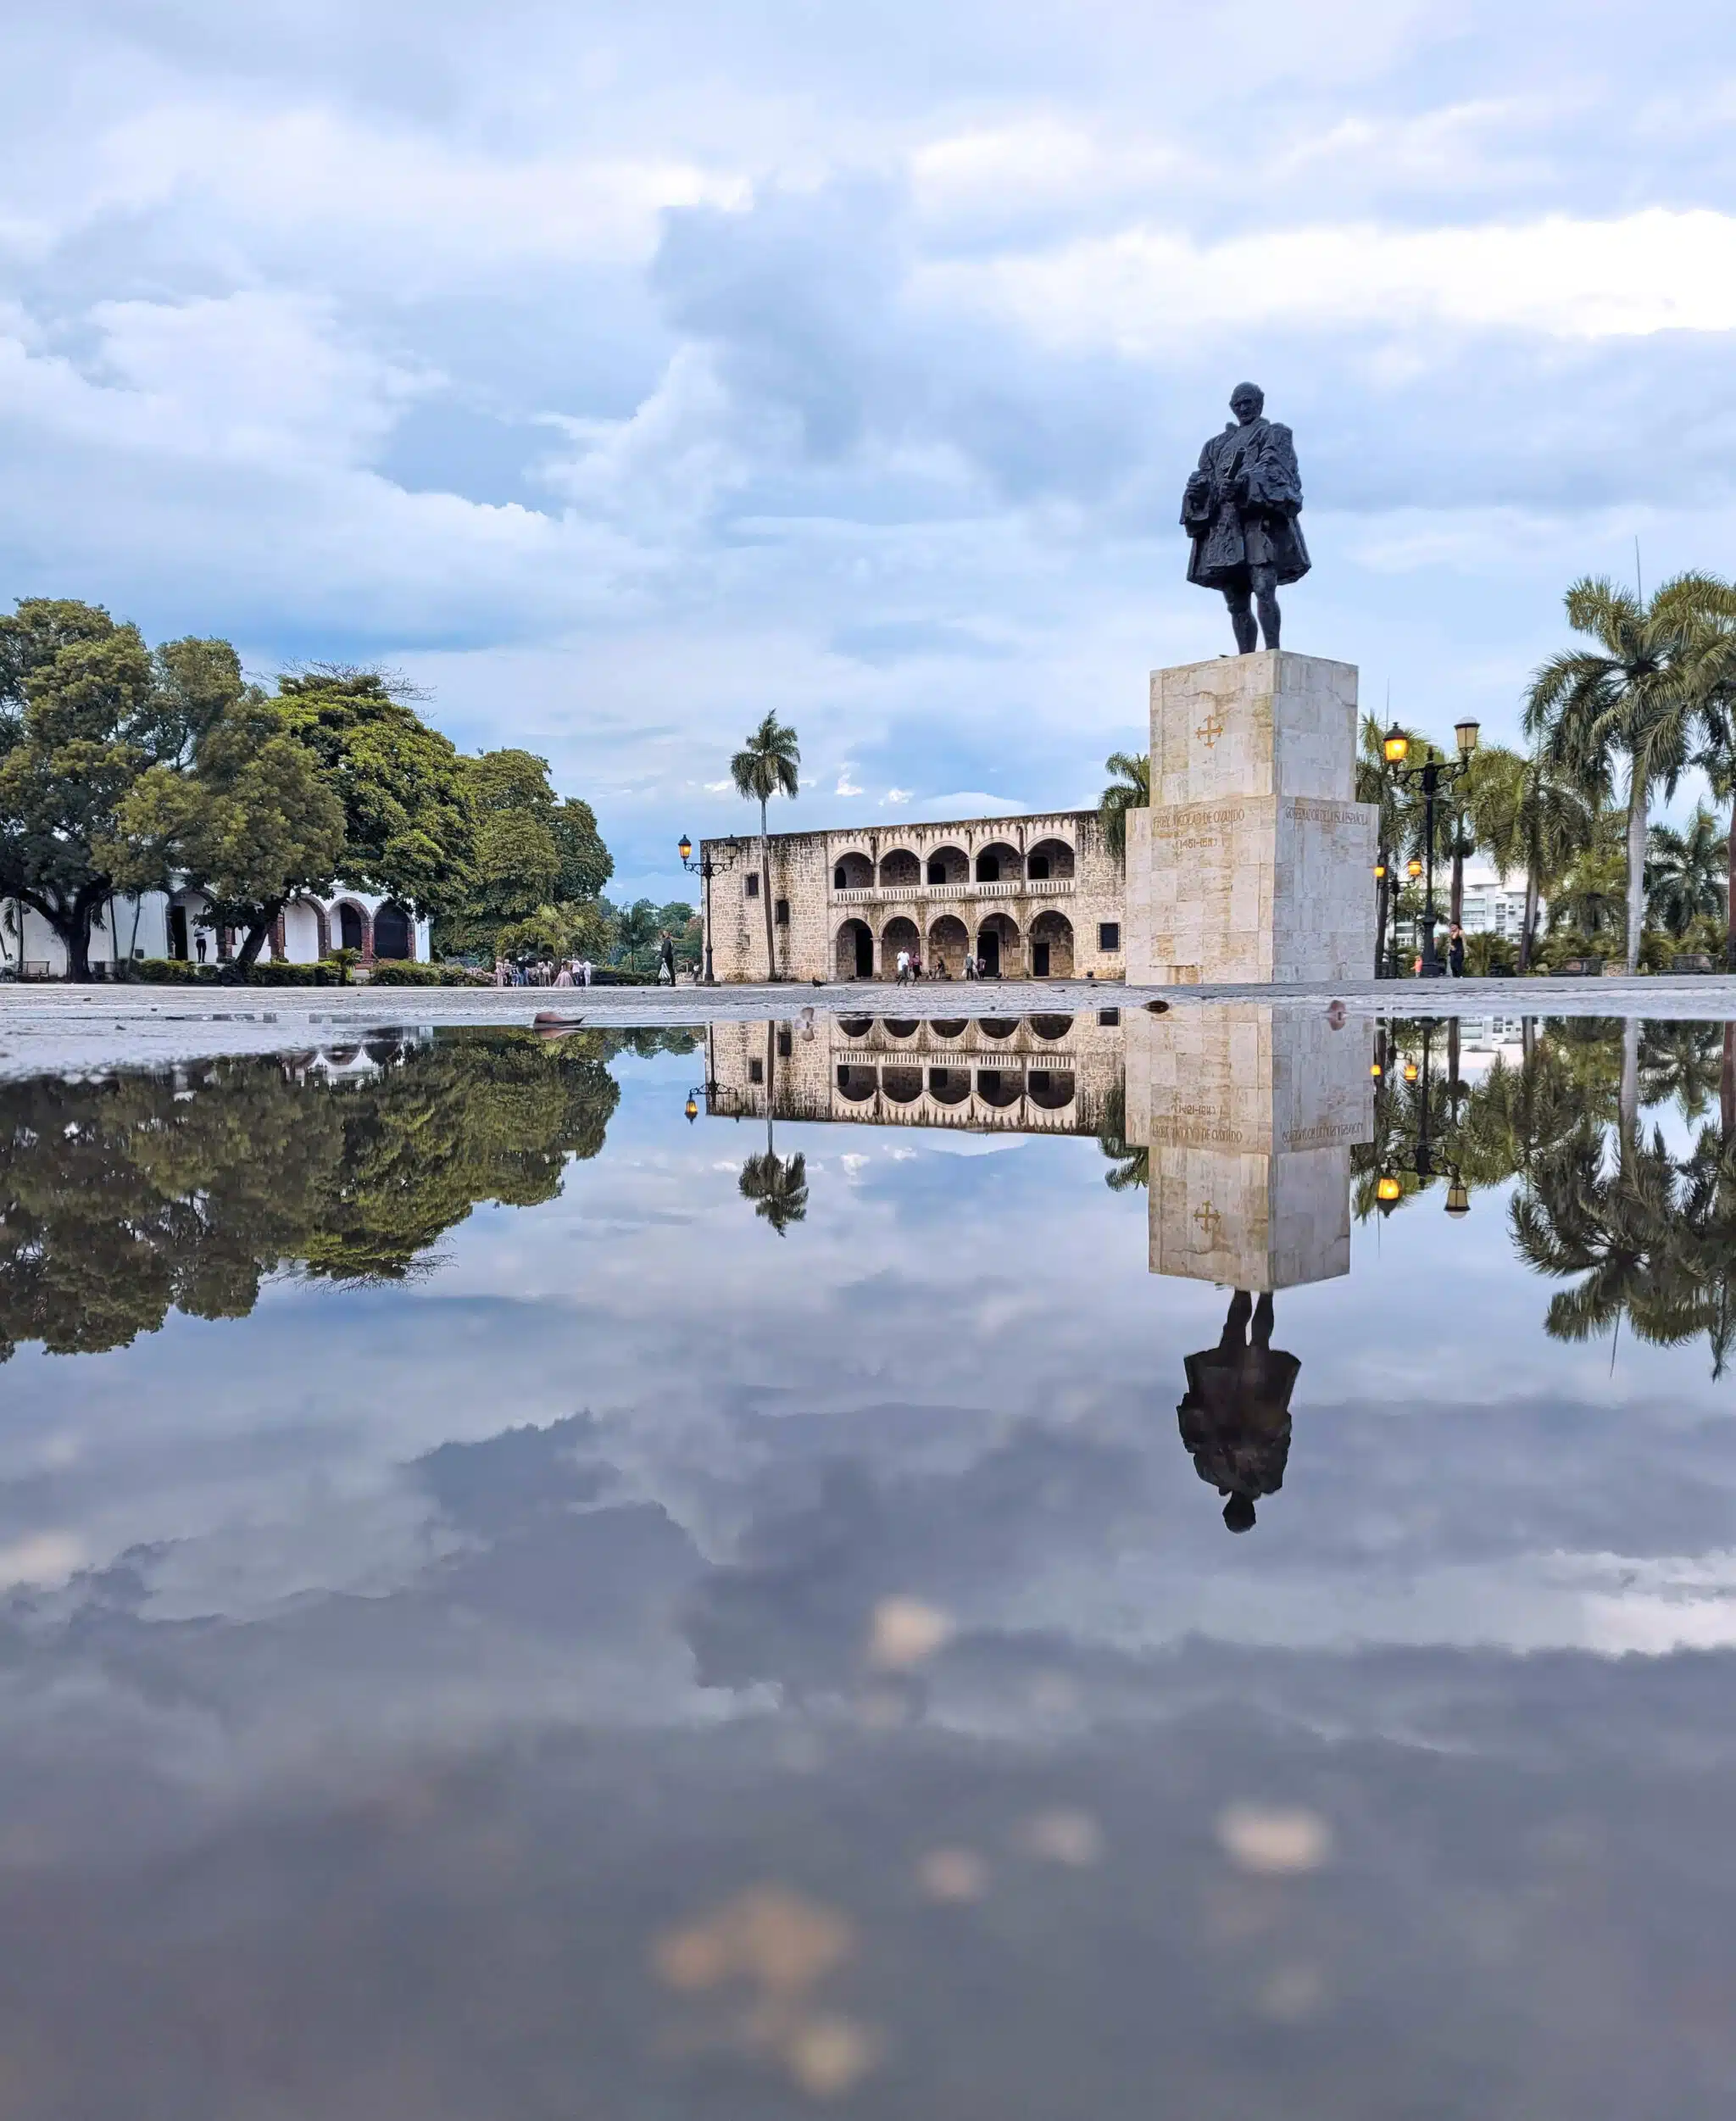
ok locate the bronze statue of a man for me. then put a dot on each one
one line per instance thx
(1240, 509)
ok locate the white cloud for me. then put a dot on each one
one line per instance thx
(1138, 289)
(894, 797)
(846, 786)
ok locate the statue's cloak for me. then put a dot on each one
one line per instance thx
(1235, 1420)
(1233, 527)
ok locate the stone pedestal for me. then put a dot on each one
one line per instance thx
(1249, 1114)
(1254, 862)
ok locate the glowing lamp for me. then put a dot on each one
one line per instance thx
(684, 847)
(1413, 868)
(691, 1107)
(1411, 1071)
(1397, 745)
(1387, 1189)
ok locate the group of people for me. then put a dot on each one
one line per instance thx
(1455, 954)
(909, 967)
(543, 972)
(577, 971)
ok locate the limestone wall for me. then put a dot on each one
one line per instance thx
(926, 890)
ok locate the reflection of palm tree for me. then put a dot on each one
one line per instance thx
(1683, 1062)
(776, 1185)
(1132, 1166)
(1619, 1230)
(1708, 1235)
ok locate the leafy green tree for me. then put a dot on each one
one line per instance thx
(634, 929)
(408, 832)
(1686, 874)
(254, 823)
(532, 849)
(85, 709)
(1626, 698)
(769, 764)
(553, 933)
(1708, 677)
(1130, 790)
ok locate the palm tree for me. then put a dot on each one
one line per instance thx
(769, 764)
(778, 1187)
(1626, 698)
(1130, 791)
(1132, 1165)
(1710, 677)
(1526, 816)
(1687, 877)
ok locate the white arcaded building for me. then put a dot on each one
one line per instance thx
(179, 925)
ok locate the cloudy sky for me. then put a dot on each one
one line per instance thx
(621, 373)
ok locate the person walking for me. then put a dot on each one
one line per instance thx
(903, 967)
(1455, 951)
(665, 959)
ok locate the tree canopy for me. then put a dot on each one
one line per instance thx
(532, 849)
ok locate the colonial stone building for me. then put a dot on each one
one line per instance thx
(1038, 896)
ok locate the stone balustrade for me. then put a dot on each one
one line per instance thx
(1018, 888)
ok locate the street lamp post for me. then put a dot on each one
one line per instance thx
(705, 868)
(1432, 776)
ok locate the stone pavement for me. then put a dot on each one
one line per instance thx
(52, 1027)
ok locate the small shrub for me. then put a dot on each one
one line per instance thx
(400, 972)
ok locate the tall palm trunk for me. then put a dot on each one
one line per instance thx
(1727, 1086)
(1528, 928)
(1636, 862)
(1730, 891)
(770, 1084)
(1630, 1088)
(766, 886)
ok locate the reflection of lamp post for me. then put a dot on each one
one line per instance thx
(1388, 1189)
(706, 867)
(1432, 776)
(708, 1091)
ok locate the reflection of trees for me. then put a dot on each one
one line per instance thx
(776, 1185)
(1132, 1166)
(136, 1194)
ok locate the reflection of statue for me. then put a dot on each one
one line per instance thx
(1240, 509)
(1235, 1419)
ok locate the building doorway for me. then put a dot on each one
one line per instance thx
(349, 926)
(177, 931)
(855, 950)
(393, 935)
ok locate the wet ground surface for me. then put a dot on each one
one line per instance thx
(524, 1602)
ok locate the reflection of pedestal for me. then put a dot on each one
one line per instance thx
(1249, 1114)
(1253, 863)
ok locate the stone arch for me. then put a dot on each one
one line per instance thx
(904, 1086)
(851, 871)
(998, 945)
(1049, 858)
(900, 869)
(307, 932)
(858, 1084)
(1000, 862)
(949, 1086)
(998, 1027)
(855, 950)
(855, 1027)
(949, 945)
(950, 1027)
(394, 933)
(1051, 1027)
(1051, 946)
(902, 1027)
(1051, 1088)
(354, 929)
(999, 1087)
(947, 864)
(900, 933)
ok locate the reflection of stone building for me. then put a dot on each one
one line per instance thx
(1038, 896)
(1250, 1114)
(1038, 1075)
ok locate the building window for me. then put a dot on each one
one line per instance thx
(1038, 866)
(1108, 935)
(837, 879)
(750, 884)
(936, 872)
(1108, 1017)
(780, 914)
(756, 1072)
(784, 1047)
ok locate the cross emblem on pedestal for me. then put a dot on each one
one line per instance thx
(1210, 1222)
(1210, 729)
